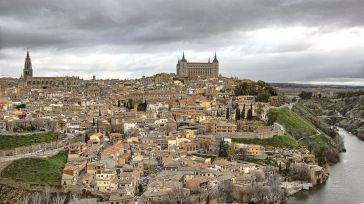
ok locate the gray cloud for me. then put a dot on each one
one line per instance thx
(159, 28)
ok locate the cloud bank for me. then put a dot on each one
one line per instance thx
(272, 40)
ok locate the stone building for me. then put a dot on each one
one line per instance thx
(45, 82)
(191, 69)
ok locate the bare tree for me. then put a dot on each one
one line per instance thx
(36, 198)
(47, 196)
(25, 198)
(258, 175)
(59, 199)
(74, 199)
(299, 172)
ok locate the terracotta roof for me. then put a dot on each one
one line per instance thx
(68, 171)
(113, 149)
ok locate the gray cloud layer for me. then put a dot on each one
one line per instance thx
(89, 30)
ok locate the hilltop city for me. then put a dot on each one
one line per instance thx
(190, 137)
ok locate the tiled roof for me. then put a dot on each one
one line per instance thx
(112, 149)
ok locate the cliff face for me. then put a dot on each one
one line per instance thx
(352, 108)
(353, 111)
(346, 112)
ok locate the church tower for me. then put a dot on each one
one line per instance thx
(28, 70)
(215, 65)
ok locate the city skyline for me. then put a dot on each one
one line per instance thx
(314, 42)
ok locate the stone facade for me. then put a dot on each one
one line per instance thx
(45, 82)
(191, 69)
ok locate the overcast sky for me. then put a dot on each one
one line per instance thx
(320, 41)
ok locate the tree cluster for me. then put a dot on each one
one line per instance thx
(223, 148)
(260, 89)
(20, 106)
(305, 95)
(130, 104)
(142, 106)
(272, 116)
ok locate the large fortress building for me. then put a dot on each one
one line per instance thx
(44, 82)
(190, 69)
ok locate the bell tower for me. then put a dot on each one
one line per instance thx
(215, 64)
(28, 70)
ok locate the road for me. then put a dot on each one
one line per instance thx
(31, 155)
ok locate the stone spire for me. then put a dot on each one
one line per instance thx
(28, 70)
(183, 57)
(215, 58)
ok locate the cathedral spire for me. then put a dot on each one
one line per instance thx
(215, 58)
(28, 70)
(183, 57)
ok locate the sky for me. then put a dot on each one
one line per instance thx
(306, 41)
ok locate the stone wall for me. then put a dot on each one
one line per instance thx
(33, 148)
(276, 130)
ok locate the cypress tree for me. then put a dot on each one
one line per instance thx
(249, 115)
(237, 114)
(227, 114)
(242, 114)
(86, 138)
(97, 126)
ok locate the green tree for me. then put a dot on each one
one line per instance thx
(245, 88)
(263, 97)
(20, 106)
(305, 95)
(223, 148)
(259, 109)
(237, 113)
(119, 104)
(249, 115)
(208, 199)
(242, 114)
(130, 103)
(140, 188)
(142, 106)
(272, 116)
(227, 114)
(97, 126)
(86, 138)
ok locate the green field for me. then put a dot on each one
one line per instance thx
(318, 142)
(13, 141)
(282, 141)
(295, 124)
(47, 171)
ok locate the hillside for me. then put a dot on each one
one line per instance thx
(346, 111)
(295, 125)
(300, 124)
(14, 141)
(46, 171)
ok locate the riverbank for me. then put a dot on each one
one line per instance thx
(346, 180)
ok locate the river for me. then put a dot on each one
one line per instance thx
(345, 184)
